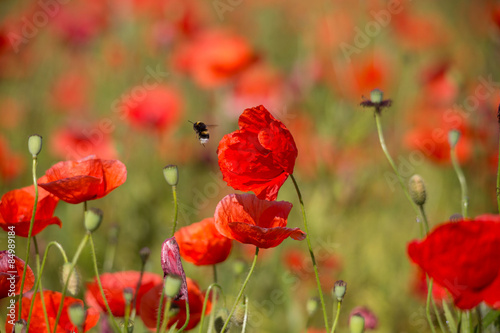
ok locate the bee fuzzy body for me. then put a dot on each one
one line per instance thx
(201, 131)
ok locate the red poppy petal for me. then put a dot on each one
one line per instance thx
(115, 174)
(74, 190)
(6, 275)
(263, 237)
(22, 228)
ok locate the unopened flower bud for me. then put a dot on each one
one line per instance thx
(171, 174)
(220, 319)
(144, 253)
(172, 285)
(453, 137)
(93, 219)
(417, 190)
(20, 326)
(239, 314)
(376, 96)
(77, 314)
(312, 305)
(339, 290)
(35, 144)
(128, 295)
(74, 280)
(357, 324)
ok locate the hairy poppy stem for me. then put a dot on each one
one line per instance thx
(176, 208)
(32, 223)
(166, 315)
(188, 315)
(96, 272)
(204, 309)
(160, 305)
(391, 161)
(461, 179)
(311, 253)
(44, 307)
(427, 305)
(66, 283)
(339, 305)
(245, 316)
(40, 271)
(139, 282)
(241, 291)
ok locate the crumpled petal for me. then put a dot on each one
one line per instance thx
(14, 270)
(172, 265)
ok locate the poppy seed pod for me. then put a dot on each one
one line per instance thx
(35, 145)
(339, 290)
(171, 174)
(357, 324)
(417, 190)
(93, 219)
(453, 137)
(173, 284)
(376, 96)
(77, 314)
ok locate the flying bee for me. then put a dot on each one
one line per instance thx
(201, 130)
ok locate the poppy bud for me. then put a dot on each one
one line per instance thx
(35, 144)
(171, 174)
(20, 326)
(453, 137)
(339, 290)
(312, 305)
(74, 280)
(128, 295)
(220, 320)
(239, 314)
(357, 324)
(173, 284)
(417, 190)
(93, 219)
(144, 254)
(77, 314)
(376, 96)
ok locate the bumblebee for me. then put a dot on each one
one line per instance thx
(201, 131)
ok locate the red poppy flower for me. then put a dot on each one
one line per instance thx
(214, 57)
(11, 164)
(156, 109)
(114, 284)
(463, 258)
(249, 220)
(77, 141)
(11, 270)
(258, 157)
(70, 91)
(16, 208)
(52, 300)
(151, 300)
(201, 244)
(86, 179)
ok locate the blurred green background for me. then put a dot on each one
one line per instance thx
(309, 63)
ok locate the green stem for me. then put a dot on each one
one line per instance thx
(204, 309)
(139, 282)
(339, 305)
(424, 217)
(66, 283)
(391, 161)
(32, 223)
(127, 317)
(311, 253)
(116, 328)
(42, 298)
(158, 318)
(176, 209)
(166, 315)
(241, 291)
(40, 271)
(461, 179)
(479, 320)
(245, 316)
(438, 316)
(188, 315)
(427, 306)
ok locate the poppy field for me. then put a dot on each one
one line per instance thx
(249, 166)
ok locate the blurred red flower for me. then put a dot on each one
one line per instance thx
(439, 87)
(114, 284)
(11, 164)
(249, 220)
(6, 281)
(151, 300)
(419, 288)
(371, 321)
(86, 179)
(52, 300)
(76, 142)
(157, 108)
(201, 244)
(258, 157)
(463, 258)
(213, 57)
(16, 208)
(70, 92)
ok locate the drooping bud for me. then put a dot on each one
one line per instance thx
(357, 324)
(93, 219)
(416, 186)
(339, 290)
(239, 314)
(77, 314)
(171, 174)
(220, 319)
(74, 280)
(453, 137)
(35, 145)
